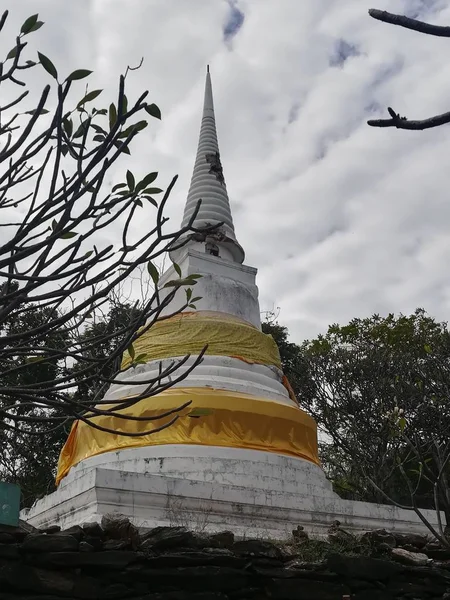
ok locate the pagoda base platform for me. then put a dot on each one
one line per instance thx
(266, 499)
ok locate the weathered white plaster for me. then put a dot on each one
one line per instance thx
(230, 466)
(208, 185)
(225, 286)
(153, 500)
(216, 372)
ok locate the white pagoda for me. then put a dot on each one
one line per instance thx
(250, 463)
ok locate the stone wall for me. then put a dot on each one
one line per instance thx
(113, 561)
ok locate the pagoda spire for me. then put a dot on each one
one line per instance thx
(208, 184)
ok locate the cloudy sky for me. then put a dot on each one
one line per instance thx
(340, 219)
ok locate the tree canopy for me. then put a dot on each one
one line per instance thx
(58, 266)
(379, 390)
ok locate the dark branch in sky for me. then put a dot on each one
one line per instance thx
(408, 23)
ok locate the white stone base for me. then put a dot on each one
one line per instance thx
(254, 498)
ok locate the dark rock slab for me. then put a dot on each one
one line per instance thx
(9, 551)
(207, 556)
(93, 560)
(42, 542)
(362, 567)
(259, 548)
(163, 538)
(92, 529)
(51, 529)
(76, 531)
(291, 589)
(411, 539)
(25, 578)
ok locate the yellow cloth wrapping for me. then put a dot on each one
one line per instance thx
(233, 420)
(189, 332)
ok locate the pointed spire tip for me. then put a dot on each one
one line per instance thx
(207, 68)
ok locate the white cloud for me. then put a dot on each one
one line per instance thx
(341, 220)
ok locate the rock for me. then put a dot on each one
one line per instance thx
(95, 542)
(25, 578)
(86, 547)
(92, 530)
(163, 538)
(437, 553)
(116, 545)
(299, 534)
(223, 539)
(18, 533)
(193, 558)
(51, 529)
(410, 558)
(119, 527)
(41, 542)
(379, 536)
(68, 560)
(337, 534)
(410, 539)
(292, 589)
(9, 551)
(260, 548)
(362, 567)
(76, 531)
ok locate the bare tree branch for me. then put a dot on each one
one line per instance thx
(408, 23)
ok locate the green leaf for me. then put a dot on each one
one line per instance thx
(90, 96)
(28, 24)
(188, 294)
(153, 271)
(153, 111)
(36, 26)
(141, 357)
(54, 224)
(43, 111)
(150, 178)
(152, 200)
(48, 65)
(180, 282)
(98, 129)
(81, 129)
(177, 269)
(78, 74)
(12, 53)
(130, 181)
(152, 191)
(200, 412)
(68, 235)
(34, 359)
(132, 129)
(427, 348)
(139, 202)
(99, 137)
(131, 351)
(88, 254)
(112, 116)
(402, 424)
(118, 186)
(195, 276)
(196, 299)
(68, 127)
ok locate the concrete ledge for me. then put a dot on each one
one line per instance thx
(152, 500)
